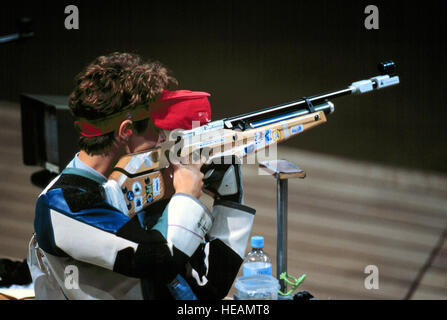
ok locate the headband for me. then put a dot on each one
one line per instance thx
(99, 127)
(172, 110)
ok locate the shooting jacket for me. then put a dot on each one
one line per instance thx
(84, 248)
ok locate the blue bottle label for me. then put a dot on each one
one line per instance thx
(255, 268)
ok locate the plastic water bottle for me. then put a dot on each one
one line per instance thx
(257, 261)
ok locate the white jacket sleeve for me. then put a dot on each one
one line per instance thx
(184, 223)
(232, 225)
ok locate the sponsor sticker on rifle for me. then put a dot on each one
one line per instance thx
(276, 135)
(268, 136)
(156, 186)
(148, 161)
(138, 203)
(296, 129)
(259, 140)
(249, 149)
(207, 143)
(149, 190)
(130, 196)
(136, 188)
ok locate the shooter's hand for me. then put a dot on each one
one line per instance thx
(187, 178)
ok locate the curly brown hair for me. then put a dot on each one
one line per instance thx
(111, 84)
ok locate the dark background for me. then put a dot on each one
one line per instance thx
(252, 54)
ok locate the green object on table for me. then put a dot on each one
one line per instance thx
(294, 282)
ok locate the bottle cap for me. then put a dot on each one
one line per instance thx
(257, 242)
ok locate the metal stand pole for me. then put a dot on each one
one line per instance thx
(281, 230)
(282, 170)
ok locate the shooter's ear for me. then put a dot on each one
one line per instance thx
(125, 130)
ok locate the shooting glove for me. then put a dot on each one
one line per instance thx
(223, 179)
(232, 219)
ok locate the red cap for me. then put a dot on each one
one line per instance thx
(179, 109)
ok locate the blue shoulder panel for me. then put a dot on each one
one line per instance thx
(44, 227)
(105, 219)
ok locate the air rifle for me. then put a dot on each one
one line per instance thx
(144, 181)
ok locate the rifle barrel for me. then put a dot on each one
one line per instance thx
(241, 121)
(245, 121)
